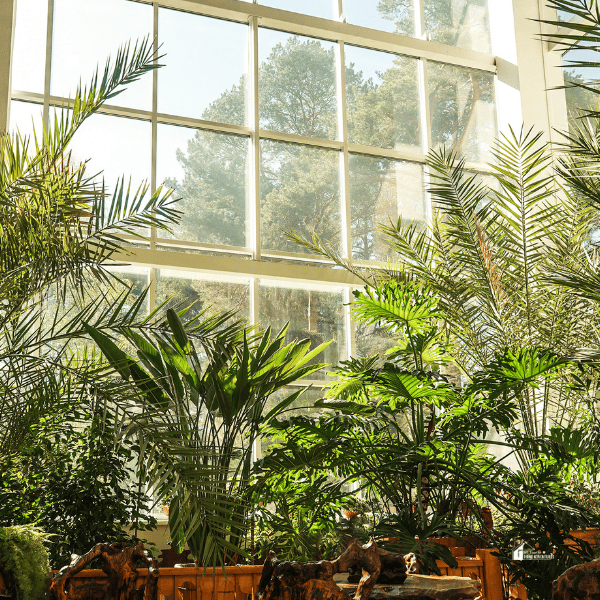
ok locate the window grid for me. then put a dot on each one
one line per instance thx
(296, 25)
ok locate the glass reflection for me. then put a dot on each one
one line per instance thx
(382, 95)
(29, 49)
(25, 117)
(299, 188)
(395, 16)
(313, 312)
(381, 190)
(115, 146)
(579, 99)
(209, 171)
(463, 110)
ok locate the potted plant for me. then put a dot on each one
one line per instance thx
(203, 386)
(24, 562)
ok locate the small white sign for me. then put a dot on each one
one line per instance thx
(526, 552)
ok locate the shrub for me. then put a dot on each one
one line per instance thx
(24, 559)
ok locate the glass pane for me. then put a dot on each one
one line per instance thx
(299, 189)
(205, 66)
(86, 32)
(213, 292)
(463, 110)
(313, 312)
(115, 147)
(131, 280)
(29, 50)
(296, 82)
(381, 190)
(382, 94)
(209, 171)
(577, 98)
(463, 23)
(326, 9)
(563, 15)
(396, 16)
(24, 116)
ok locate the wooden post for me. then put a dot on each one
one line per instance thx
(492, 574)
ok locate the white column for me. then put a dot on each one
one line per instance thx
(538, 71)
(8, 9)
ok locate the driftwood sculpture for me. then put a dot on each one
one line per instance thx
(314, 581)
(581, 582)
(119, 564)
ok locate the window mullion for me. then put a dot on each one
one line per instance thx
(8, 17)
(254, 188)
(48, 70)
(425, 109)
(344, 156)
(153, 166)
(419, 18)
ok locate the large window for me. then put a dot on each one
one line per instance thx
(280, 115)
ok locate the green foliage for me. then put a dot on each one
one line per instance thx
(24, 558)
(540, 510)
(410, 441)
(500, 285)
(63, 463)
(301, 521)
(57, 226)
(203, 388)
(75, 482)
(400, 432)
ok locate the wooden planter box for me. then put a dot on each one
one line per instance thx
(191, 584)
(241, 582)
(589, 535)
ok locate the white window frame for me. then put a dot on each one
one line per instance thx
(525, 69)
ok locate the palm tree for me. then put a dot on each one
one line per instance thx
(203, 390)
(58, 227)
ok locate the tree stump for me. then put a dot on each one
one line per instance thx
(581, 582)
(314, 581)
(169, 558)
(119, 564)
